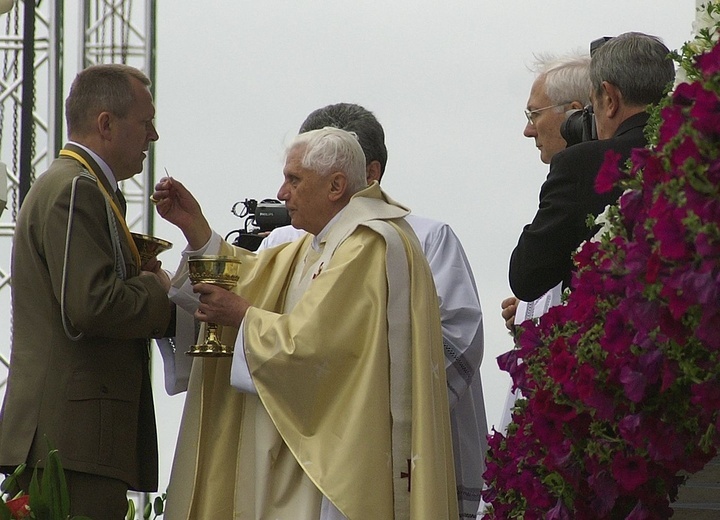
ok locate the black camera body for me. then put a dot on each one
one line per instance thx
(270, 214)
(579, 126)
(260, 217)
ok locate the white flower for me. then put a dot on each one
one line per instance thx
(602, 220)
(706, 18)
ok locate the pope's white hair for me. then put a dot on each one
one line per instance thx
(328, 150)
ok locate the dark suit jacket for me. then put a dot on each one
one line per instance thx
(543, 255)
(90, 398)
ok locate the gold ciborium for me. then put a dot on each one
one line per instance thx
(223, 271)
(149, 247)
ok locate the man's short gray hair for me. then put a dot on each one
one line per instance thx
(97, 89)
(567, 77)
(328, 150)
(639, 65)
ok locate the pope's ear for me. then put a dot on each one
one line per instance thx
(338, 186)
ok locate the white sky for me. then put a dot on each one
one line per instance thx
(447, 80)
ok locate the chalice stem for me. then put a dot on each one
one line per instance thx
(212, 338)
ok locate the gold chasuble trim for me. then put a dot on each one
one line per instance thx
(131, 243)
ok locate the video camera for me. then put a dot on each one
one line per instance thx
(579, 125)
(260, 217)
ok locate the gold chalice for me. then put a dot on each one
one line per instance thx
(223, 271)
(149, 247)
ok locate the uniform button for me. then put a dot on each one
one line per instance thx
(105, 389)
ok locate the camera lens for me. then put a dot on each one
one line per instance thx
(579, 126)
(572, 128)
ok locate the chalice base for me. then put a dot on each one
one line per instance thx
(210, 349)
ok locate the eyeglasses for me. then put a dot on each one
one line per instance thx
(532, 114)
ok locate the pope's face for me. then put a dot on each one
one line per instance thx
(305, 194)
(546, 127)
(133, 133)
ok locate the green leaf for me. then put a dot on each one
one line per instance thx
(5, 512)
(131, 510)
(10, 482)
(159, 504)
(54, 486)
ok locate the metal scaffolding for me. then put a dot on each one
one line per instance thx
(30, 120)
(32, 93)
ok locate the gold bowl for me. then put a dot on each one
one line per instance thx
(218, 270)
(149, 246)
(223, 271)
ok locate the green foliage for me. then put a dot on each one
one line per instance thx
(156, 508)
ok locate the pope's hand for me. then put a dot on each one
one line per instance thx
(220, 306)
(177, 205)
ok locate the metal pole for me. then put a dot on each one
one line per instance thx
(27, 130)
(56, 98)
(150, 46)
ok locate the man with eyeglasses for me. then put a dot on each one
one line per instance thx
(628, 73)
(557, 80)
(561, 84)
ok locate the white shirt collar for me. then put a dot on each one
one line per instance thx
(320, 237)
(103, 165)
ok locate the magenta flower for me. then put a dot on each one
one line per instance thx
(707, 330)
(630, 472)
(673, 119)
(671, 234)
(709, 63)
(609, 172)
(559, 512)
(620, 384)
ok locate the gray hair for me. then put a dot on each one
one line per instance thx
(353, 118)
(567, 77)
(97, 89)
(330, 150)
(639, 65)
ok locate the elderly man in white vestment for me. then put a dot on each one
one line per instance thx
(342, 408)
(460, 311)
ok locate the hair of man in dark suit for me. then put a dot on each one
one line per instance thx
(639, 65)
(352, 118)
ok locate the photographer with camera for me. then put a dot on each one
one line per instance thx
(628, 73)
(561, 85)
(557, 81)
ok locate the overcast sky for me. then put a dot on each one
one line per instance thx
(448, 81)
